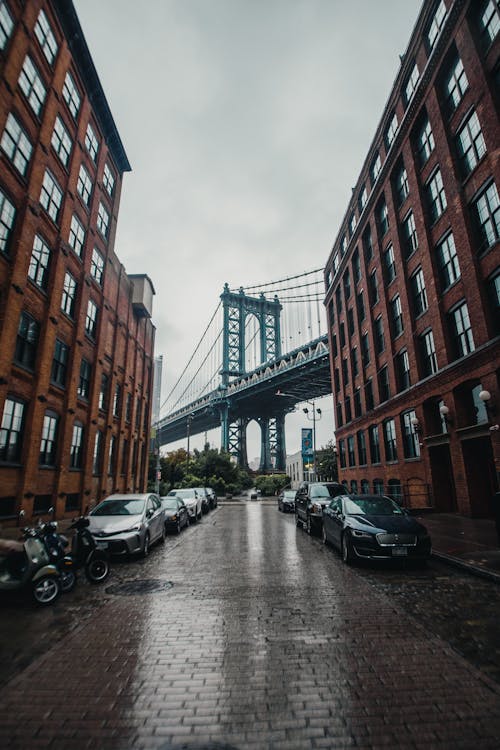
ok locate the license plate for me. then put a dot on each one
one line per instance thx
(102, 545)
(399, 551)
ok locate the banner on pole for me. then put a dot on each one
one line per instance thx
(307, 443)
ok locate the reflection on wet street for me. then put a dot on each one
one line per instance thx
(244, 630)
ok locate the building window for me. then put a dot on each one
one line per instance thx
(383, 218)
(26, 342)
(103, 392)
(401, 185)
(375, 168)
(436, 198)
(340, 420)
(356, 266)
(402, 362)
(455, 85)
(69, 295)
(424, 142)
(374, 441)
(11, 431)
(7, 216)
(61, 141)
(362, 198)
(336, 379)
(71, 95)
(76, 235)
(91, 142)
(117, 400)
(32, 86)
(343, 245)
(378, 328)
(361, 448)
(396, 316)
(418, 291)
(103, 220)
(111, 455)
(411, 445)
(97, 265)
(6, 24)
(345, 372)
(489, 22)
(84, 185)
(368, 244)
(410, 239)
(357, 402)
(76, 448)
(436, 24)
(391, 131)
(342, 454)
(448, 268)
(338, 299)
(108, 180)
(350, 321)
(334, 345)
(46, 38)
(354, 361)
(373, 287)
(83, 389)
(352, 224)
(461, 331)
(365, 487)
(138, 414)
(365, 350)
(48, 443)
(428, 354)
(16, 144)
(486, 212)
(336, 263)
(391, 453)
(97, 455)
(51, 196)
(128, 408)
(494, 299)
(351, 456)
(91, 319)
(411, 84)
(38, 270)
(384, 388)
(470, 145)
(360, 304)
(369, 400)
(389, 265)
(347, 285)
(60, 364)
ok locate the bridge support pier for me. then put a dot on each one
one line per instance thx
(273, 450)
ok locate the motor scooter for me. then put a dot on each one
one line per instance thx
(86, 554)
(26, 567)
(57, 545)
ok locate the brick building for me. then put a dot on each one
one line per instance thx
(413, 279)
(76, 338)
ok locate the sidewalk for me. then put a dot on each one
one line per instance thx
(470, 543)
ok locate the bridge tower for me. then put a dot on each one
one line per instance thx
(236, 307)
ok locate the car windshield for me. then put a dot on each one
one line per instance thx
(133, 506)
(170, 503)
(185, 494)
(325, 490)
(289, 494)
(372, 506)
(172, 493)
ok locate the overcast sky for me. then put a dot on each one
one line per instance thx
(246, 123)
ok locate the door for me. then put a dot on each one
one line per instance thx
(480, 475)
(443, 483)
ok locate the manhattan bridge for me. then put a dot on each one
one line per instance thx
(263, 351)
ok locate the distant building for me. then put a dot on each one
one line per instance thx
(413, 279)
(158, 368)
(295, 469)
(76, 338)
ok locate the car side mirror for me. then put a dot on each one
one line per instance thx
(149, 513)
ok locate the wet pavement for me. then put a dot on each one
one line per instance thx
(246, 631)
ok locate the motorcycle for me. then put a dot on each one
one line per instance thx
(86, 554)
(56, 545)
(26, 566)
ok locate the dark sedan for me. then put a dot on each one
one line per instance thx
(286, 501)
(176, 514)
(374, 527)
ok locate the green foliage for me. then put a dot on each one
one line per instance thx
(206, 468)
(326, 463)
(271, 484)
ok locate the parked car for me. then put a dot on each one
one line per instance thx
(286, 501)
(212, 497)
(374, 527)
(205, 502)
(310, 500)
(128, 524)
(176, 513)
(192, 501)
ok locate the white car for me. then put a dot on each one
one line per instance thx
(128, 524)
(192, 501)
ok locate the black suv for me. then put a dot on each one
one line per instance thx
(310, 500)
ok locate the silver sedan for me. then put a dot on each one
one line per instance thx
(128, 524)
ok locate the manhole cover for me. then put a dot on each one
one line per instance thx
(133, 588)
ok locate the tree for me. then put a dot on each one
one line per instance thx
(326, 463)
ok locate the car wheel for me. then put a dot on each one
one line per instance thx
(145, 546)
(68, 580)
(46, 590)
(347, 551)
(298, 522)
(178, 527)
(163, 535)
(97, 570)
(323, 535)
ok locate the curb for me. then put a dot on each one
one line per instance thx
(467, 567)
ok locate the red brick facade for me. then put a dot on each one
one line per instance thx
(60, 185)
(428, 340)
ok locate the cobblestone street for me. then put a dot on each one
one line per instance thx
(263, 640)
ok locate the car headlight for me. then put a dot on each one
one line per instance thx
(317, 508)
(361, 534)
(173, 518)
(137, 527)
